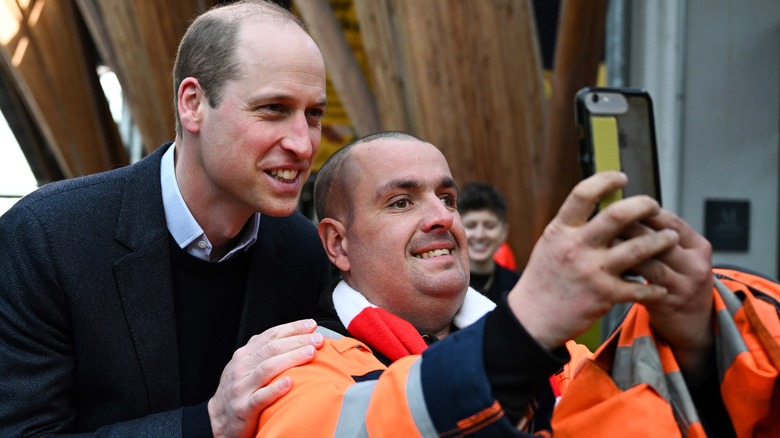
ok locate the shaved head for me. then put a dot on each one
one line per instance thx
(339, 174)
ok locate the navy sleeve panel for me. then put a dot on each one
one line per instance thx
(195, 422)
(517, 367)
(454, 382)
(457, 391)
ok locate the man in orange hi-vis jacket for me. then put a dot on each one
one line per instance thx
(412, 351)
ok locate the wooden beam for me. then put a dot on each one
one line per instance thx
(386, 71)
(472, 81)
(46, 49)
(24, 128)
(138, 40)
(343, 70)
(578, 53)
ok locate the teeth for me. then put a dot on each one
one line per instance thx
(284, 174)
(434, 253)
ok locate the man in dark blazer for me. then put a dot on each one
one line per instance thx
(130, 300)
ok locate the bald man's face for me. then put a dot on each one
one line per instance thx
(406, 244)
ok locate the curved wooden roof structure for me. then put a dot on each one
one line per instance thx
(465, 75)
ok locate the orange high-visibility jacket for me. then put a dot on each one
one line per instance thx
(634, 387)
(341, 393)
(631, 387)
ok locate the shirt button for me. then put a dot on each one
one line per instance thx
(202, 244)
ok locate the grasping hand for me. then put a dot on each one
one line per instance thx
(574, 273)
(683, 316)
(242, 393)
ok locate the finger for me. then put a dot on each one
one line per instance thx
(299, 327)
(262, 350)
(618, 219)
(265, 396)
(272, 367)
(579, 205)
(655, 271)
(693, 253)
(645, 292)
(631, 253)
(623, 290)
(689, 238)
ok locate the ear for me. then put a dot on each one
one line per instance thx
(190, 104)
(334, 239)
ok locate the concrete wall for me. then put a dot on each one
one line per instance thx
(713, 68)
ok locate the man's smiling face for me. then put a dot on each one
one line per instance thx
(405, 241)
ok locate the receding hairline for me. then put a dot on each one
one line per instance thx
(244, 11)
(341, 171)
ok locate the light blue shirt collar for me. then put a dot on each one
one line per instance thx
(185, 230)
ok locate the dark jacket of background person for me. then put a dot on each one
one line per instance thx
(83, 348)
(496, 284)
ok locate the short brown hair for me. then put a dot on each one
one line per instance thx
(207, 50)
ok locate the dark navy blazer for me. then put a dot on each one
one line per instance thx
(87, 326)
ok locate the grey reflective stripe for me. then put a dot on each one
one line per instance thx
(681, 401)
(352, 418)
(328, 333)
(728, 341)
(416, 400)
(732, 302)
(640, 363)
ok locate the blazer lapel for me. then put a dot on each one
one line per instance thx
(143, 278)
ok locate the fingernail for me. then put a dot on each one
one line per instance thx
(316, 338)
(309, 323)
(308, 351)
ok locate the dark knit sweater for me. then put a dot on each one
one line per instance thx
(208, 298)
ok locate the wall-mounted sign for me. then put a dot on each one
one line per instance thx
(727, 224)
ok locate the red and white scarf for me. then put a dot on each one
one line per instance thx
(389, 334)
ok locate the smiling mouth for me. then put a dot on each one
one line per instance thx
(432, 253)
(284, 175)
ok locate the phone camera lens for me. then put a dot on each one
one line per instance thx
(594, 97)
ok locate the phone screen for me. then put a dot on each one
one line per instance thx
(619, 135)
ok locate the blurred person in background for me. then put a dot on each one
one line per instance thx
(483, 211)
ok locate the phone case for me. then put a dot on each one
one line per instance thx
(617, 132)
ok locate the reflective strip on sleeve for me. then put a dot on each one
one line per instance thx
(682, 404)
(732, 302)
(640, 363)
(416, 400)
(352, 419)
(728, 340)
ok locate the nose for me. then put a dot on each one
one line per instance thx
(297, 139)
(440, 217)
